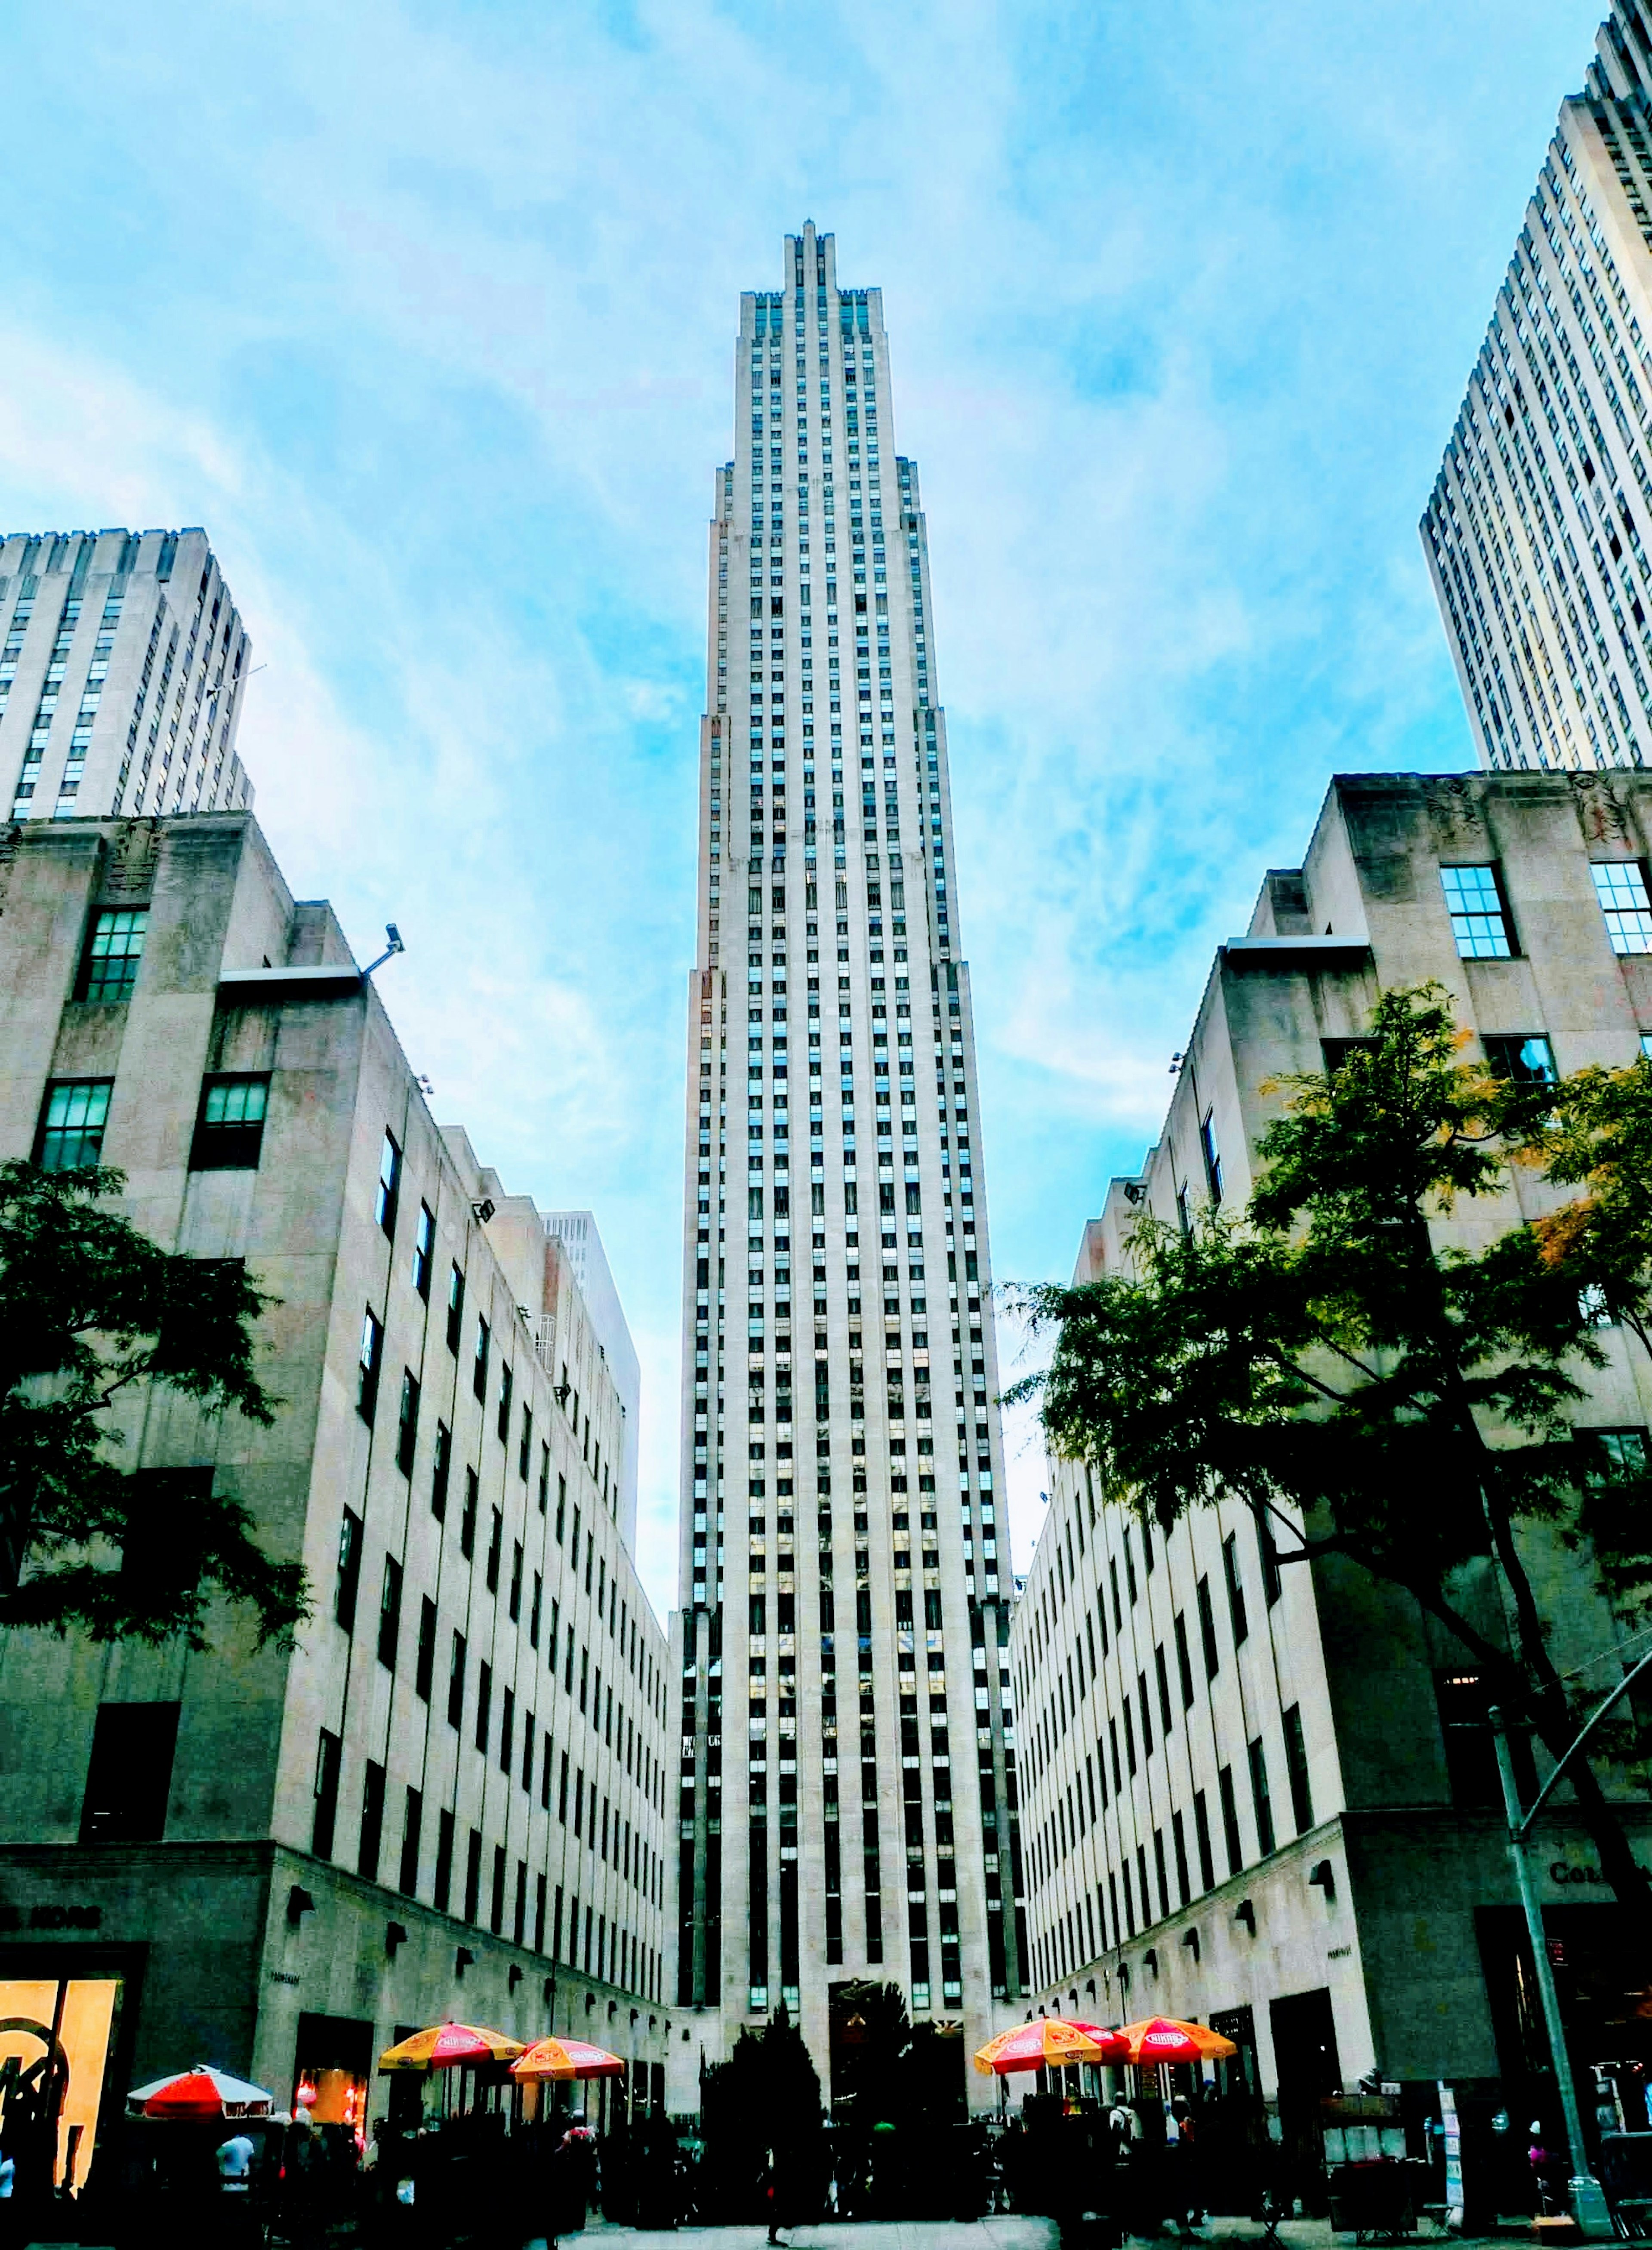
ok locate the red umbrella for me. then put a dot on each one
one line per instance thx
(200, 2092)
(1165, 2039)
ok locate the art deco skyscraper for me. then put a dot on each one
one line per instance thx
(122, 666)
(846, 1784)
(1539, 532)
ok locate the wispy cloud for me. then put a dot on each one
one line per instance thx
(427, 312)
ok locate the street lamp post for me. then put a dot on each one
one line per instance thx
(1588, 2199)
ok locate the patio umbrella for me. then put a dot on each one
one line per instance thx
(1048, 2041)
(566, 2058)
(1163, 2038)
(445, 2046)
(201, 2091)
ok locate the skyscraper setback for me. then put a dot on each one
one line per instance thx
(847, 1787)
(1539, 531)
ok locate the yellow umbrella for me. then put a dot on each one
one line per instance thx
(444, 2046)
(1047, 2042)
(566, 2058)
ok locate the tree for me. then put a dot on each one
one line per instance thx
(764, 2103)
(1371, 1394)
(90, 1311)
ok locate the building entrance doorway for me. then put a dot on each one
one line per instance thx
(1306, 2068)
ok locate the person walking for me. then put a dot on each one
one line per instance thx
(771, 2195)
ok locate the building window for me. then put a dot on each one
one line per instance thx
(1231, 1839)
(390, 1185)
(468, 1515)
(412, 1821)
(1479, 918)
(1208, 1630)
(1464, 1704)
(425, 1659)
(484, 1704)
(1261, 1802)
(479, 1367)
(1622, 1456)
(424, 1250)
(372, 1821)
(328, 1752)
(1621, 887)
(455, 1308)
(71, 1123)
(440, 1471)
(130, 1775)
(229, 1126)
(407, 1423)
(350, 1569)
(390, 1613)
(367, 1368)
(456, 1681)
(109, 965)
(441, 1888)
(1211, 1156)
(1236, 1611)
(1302, 1796)
(1524, 1058)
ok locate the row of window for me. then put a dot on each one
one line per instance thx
(1482, 923)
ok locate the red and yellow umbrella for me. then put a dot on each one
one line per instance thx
(565, 2057)
(1047, 2042)
(445, 2046)
(1164, 2039)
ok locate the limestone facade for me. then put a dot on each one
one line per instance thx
(450, 1798)
(1264, 1796)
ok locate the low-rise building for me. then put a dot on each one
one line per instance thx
(449, 1798)
(1267, 1797)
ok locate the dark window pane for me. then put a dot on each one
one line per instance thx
(229, 1126)
(130, 1775)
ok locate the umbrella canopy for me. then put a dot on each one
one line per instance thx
(1162, 2039)
(1048, 2041)
(566, 2058)
(201, 2091)
(444, 2046)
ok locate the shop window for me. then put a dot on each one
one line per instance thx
(84, 2012)
(332, 2069)
(130, 1775)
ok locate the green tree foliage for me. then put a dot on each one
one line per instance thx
(763, 2104)
(1370, 1393)
(92, 1310)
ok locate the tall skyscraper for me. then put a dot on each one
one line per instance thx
(1539, 532)
(122, 665)
(847, 1787)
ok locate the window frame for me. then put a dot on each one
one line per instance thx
(130, 959)
(1640, 909)
(234, 1144)
(1461, 911)
(86, 1130)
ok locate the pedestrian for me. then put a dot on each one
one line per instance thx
(234, 2159)
(564, 2191)
(771, 2195)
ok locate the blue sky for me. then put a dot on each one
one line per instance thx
(427, 312)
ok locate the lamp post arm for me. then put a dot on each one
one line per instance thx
(1589, 1725)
